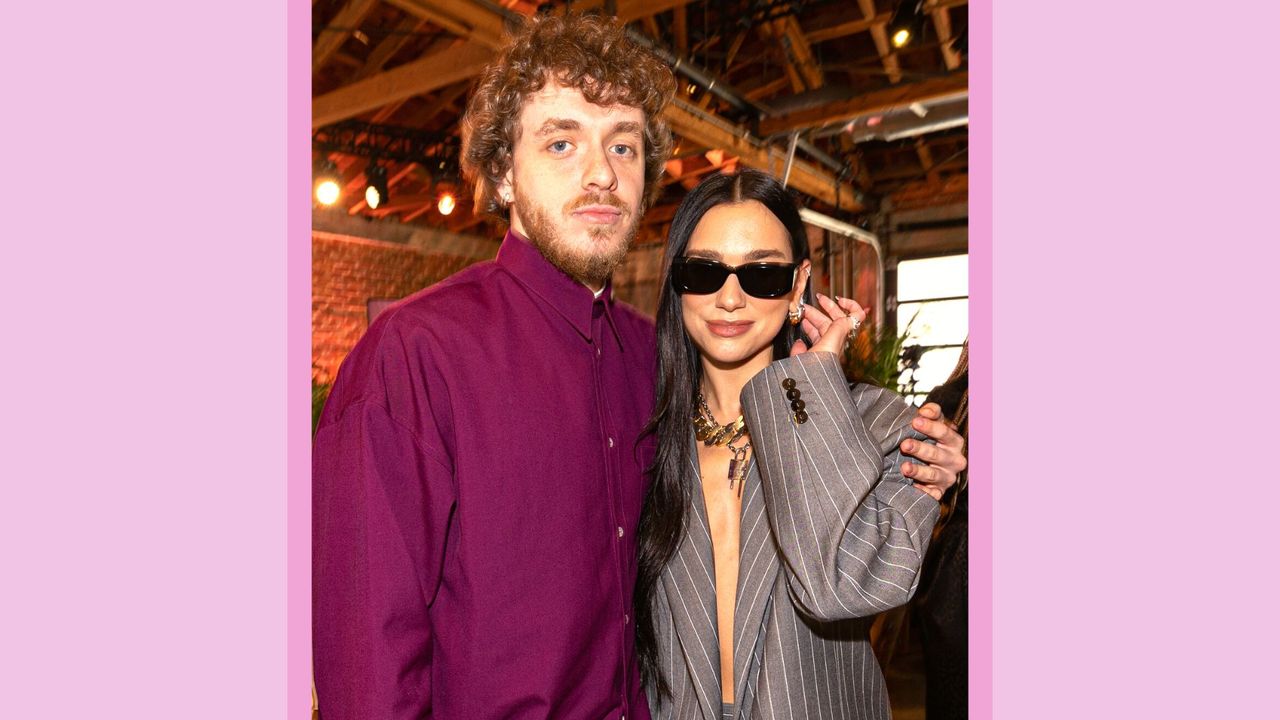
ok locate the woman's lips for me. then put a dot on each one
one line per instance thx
(598, 214)
(728, 329)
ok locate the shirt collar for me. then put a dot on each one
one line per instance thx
(570, 298)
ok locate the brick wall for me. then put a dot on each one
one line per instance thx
(347, 272)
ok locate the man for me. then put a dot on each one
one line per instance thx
(478, 469)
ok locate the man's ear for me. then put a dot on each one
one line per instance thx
(505, 188)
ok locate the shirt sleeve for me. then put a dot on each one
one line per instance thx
(851, 530)
(381, 506)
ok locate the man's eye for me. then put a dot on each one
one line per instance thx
(559, 146)
(621, 149)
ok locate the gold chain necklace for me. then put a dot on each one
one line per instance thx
(710, 433)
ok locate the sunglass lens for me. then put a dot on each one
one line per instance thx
(698, 277)
(766, 280)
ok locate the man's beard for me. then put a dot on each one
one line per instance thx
(590, 266)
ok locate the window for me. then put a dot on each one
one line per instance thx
(933, 301)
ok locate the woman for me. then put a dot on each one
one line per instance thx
(764, 545)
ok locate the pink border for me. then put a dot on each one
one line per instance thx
(298, 357)
(981, 670)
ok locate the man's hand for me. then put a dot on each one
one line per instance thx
(939, 464)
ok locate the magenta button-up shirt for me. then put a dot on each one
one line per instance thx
(477, 486)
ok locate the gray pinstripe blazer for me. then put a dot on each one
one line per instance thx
(832, 533)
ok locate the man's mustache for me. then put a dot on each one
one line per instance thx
(598, 199)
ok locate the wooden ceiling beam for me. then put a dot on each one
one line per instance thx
(390, 45)
(942, 23)
(846, 29)
(926, 160)
(420, 76)
(766, 89)
(804, 177)
(351, 15)
(632, 10)
(734, 48)
(464, 19)
(680, 28)
(799, 53)
(927, 194)
(651, 27)
(880, 36)
(868, 103)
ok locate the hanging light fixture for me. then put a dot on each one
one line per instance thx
(906, 23)
(447, 203)
(327, 187)
(375, 191)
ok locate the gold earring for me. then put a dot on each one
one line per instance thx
(796, 315)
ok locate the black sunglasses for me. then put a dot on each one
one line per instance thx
(699, 276)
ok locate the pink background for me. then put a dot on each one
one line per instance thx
(156, 369)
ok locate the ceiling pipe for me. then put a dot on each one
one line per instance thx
(700, 76)
(940, 114)
(730, 95)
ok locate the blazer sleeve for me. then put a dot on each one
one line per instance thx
(851, 530)
(381, 505)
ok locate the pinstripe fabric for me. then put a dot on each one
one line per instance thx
(832, 533)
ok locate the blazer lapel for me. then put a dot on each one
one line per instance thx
(689, 582)
(757, 572)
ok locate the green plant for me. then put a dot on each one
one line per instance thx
(319, 393)
(876, 355)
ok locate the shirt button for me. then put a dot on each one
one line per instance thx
(610, 442)
(619, 531)
(597, 351)
(626, 619)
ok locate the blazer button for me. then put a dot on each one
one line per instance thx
(793, 394)
(797, 405)
(802, 417)
(788, 384)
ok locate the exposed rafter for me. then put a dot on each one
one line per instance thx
(420, 76)
(350, 16)
(390, 45)
(888, 57)
(872, 102)
(846, 29)
(804, 177)
(942, 23)
(464, 19)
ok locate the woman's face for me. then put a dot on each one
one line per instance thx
(729, 327)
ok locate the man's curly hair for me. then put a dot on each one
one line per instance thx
(587, 52)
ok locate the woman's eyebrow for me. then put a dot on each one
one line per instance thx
(708, 254)
(762, 254)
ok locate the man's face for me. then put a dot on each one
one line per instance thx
(577, 180)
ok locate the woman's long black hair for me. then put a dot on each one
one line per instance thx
(673, 486)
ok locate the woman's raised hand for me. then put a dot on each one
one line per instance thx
(829, 324)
